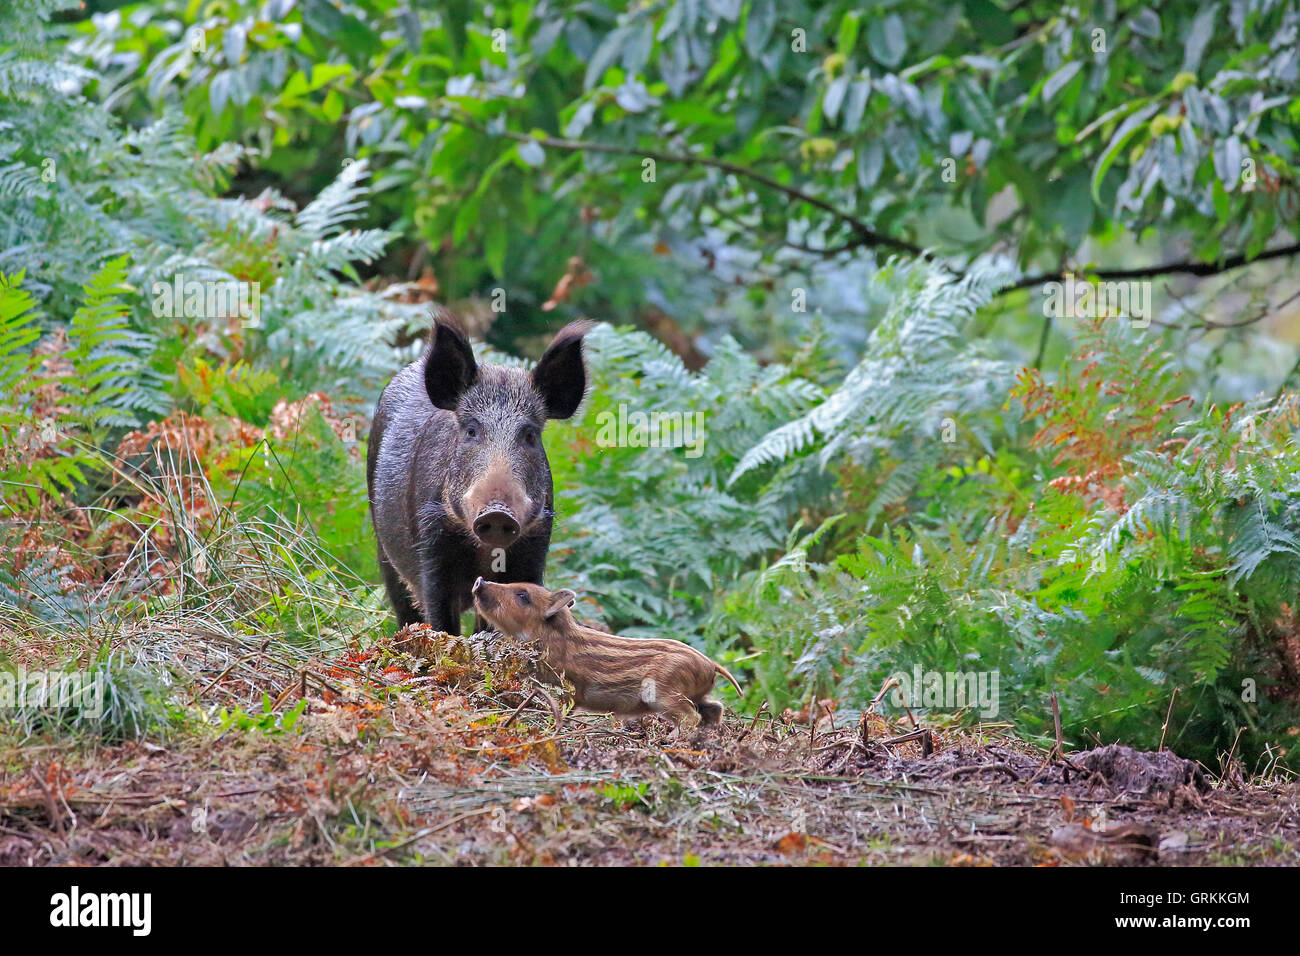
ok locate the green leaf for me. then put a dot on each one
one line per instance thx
(902, 148)
(1127, 130)
(834, 96)
(887, 40)
(1198, 37)
(606, 53)
(332, 107)
(466, 217)
(1146, 23)
(759, 22)
(855, 106)
(871, 160)
(1071, 207)
(974, 107)
(532, 154)
(848, 35)
(1222, 202)
(494, 246)
(1057, 81)
(236, 40)
(636, 50)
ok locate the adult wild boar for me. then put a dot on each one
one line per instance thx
(459, 483)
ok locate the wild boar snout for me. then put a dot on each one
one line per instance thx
(498, 508)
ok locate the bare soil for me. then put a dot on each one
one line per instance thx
(421, 753)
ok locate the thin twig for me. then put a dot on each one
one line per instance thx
(1164, 728)
(1058, 748)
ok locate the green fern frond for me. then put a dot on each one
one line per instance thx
(338, 203)
(916, 371)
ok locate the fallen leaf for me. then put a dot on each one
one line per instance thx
(792, 843)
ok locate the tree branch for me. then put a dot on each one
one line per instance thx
(864, 235)
(1185, 266)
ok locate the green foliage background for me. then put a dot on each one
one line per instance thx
(841, 218)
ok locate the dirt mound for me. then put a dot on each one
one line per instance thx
(1147, 774)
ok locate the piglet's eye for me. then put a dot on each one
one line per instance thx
(523, 597)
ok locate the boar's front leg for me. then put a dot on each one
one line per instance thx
(398, 594)
(441, 567)
(438, 598)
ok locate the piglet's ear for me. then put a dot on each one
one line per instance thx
(560, 377)
(559, 601)
(450, 368)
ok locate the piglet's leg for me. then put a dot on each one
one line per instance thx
(710, 711)
(673, 703)
(682, 711)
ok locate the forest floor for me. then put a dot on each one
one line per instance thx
(430, 751)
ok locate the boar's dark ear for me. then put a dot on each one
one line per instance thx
(560, 377)
(559, 601)
(450, 367)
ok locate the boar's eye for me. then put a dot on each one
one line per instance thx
(528, 435)
(471, 430)
(523, 597)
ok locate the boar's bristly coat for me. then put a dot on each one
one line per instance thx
(459, 483)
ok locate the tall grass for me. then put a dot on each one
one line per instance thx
(205, 603)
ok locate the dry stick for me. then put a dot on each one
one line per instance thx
(854, 744)
(904, 738)
(851, 741)
(976, 768)
(526, 743)
(557, 712)
(430, 830)
(284, 694)
(326, 685)
(1058, 750)
(53, 808)
(753, 723)
(515, 713)
(889, 682)
(1227, 764)
(908, 710)
(222, 676)
(925, 736)
(1164, 727)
